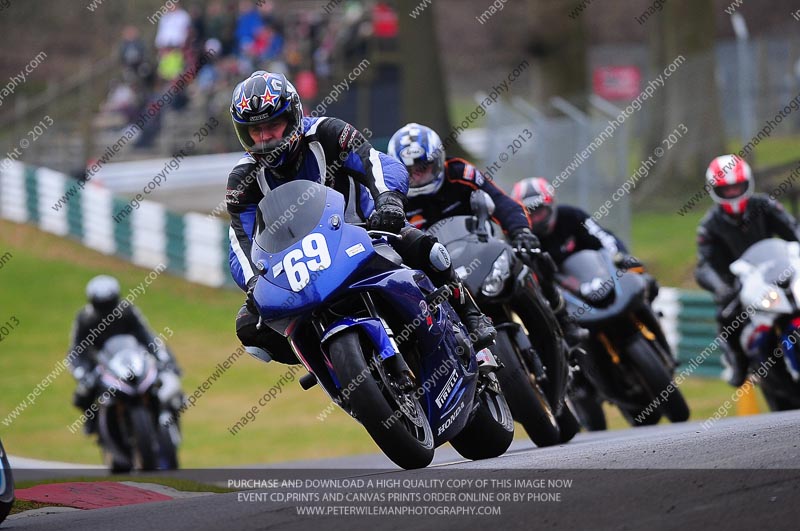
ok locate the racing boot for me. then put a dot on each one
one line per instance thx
(481, 330)
(735, 363)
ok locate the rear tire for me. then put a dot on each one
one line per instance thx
(370, 404)
(646, 361)
(491, 430)
(145, 447)
(525, 397)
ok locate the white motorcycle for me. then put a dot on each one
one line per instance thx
(770, 291)
(137, 419)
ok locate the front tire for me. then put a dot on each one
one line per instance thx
(588, 409)
(645, 360)
(526, 398)
(167, 451)
(376, 407)
(490, 431)
(145, 447)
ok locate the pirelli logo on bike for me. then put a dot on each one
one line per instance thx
(448, 388)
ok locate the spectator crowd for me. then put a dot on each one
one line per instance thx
(224, 40)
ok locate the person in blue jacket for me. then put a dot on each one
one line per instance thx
(281, 146)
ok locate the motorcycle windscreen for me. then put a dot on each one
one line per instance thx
(452, 229)
(585, 266)
(288, 213)
(308, 255)
(772, 255)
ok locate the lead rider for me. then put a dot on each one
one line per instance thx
(283, 146)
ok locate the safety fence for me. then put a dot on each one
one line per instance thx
(194, 246)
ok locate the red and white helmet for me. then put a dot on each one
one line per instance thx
(731, 182)
(539, 199)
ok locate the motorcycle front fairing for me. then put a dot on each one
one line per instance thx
(595, 267)
(307, 264)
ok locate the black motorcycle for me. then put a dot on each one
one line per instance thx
(627, 359)
(6, 485)
(137, 418)
(530, 343)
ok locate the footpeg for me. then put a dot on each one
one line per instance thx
(308, 381)
(486, 361)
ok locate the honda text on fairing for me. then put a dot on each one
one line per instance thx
(137, 419)
(628, 360)
(770, 293)
(530, 343)
(376, 335)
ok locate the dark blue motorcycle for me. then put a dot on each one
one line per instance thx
(376, 335)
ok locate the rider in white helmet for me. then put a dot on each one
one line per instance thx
(739, 219)
(105, 316)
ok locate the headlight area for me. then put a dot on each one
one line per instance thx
(496, 280)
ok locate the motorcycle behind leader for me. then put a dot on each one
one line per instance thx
(530, 343)
(627, 360)
(138, 408)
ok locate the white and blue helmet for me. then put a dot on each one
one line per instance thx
(420, 149)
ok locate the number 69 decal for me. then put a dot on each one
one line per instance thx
(315, 249)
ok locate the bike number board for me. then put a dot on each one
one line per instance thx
(313, 256)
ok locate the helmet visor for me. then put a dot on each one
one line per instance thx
(420, 174)
(540, 214)
(732, 191)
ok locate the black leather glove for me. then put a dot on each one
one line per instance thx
(627, 261)
(524, 241)
(250, 301)
(724, 295)
(389, 214)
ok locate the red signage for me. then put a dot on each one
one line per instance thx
(617, 82)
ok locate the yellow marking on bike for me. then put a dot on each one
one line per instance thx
(643, 329)
(609, 347)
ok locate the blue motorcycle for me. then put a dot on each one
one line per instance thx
(379, 338)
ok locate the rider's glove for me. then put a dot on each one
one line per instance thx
(627, 261)
(389, 214)
(251, 302)
(724, 295)
(524, 241)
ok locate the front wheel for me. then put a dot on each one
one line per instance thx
(397, 423)
(144, 437)
(568, 425)
(168, 453)
(526, 398)
(491, 430)
(589, 409)
(776, 401)
(647, 363)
